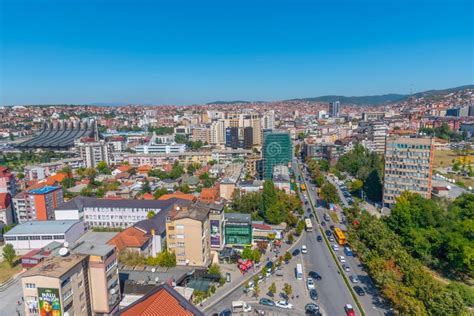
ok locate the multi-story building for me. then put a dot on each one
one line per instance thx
(171, 148)
(188, 234)
(277, 150)
(202, 134)
(238, 229)
(6, 209)
(248, 138)
(408, 167)
(232, 137)
(7, 181)
(43, 201)
(379, 135)
(268, 120)
(216, 221)
(334, 108)
(94, 151)
(217, 133)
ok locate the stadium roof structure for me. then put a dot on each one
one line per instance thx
(61, 135)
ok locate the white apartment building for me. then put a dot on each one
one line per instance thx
(93, 152)
(172, 148)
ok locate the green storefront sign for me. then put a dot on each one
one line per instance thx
(49, 302)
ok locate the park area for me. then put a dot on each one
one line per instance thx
(444, 158)
(6, 272)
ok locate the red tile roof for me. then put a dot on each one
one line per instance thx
(131, 237)
(161, 301)
(5, 200)
(177, 194)
(261, 226)
(148, 196)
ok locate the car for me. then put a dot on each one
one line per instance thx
(349, 310)
(226, 312)
(346, 268)
(319, 238)
(269, 265)
(335, 247)
(331, 227)
(313, 294)
(284, 304)
(311, 215)
(311, 309)
(328, 232)
(305, 202)
(308, 210)
(304, 249)
(323, 223)
(267, 302)
(342, 259)
(354, 279)
(295, 252)
(331, 239)
(360, 291)
(310, 283)
(314, 275)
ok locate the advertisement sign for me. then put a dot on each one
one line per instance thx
(215, 234)
(49, 302)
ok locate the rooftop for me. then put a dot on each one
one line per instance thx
(55, 267)
(91, 248)
(42, 227)
(237, 217)
(198, 211)
(131, 237)
(97, 237)
(83, 201)
(44, 190)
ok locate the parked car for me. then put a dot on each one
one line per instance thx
(314, 275)
(335, 247)
(226, 312)
(295, 252)
(346, 268)
(342, 259)
(313, 294)
(267, 302)
(319, 238)
(310, 283)
(354, 279)
(284, 304)
(328, 233)
(323, 223)
(331, 238)
(304, 249)
(311, 309)
(349, 310)
(331, 227)
(360, 291)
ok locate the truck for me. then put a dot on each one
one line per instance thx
(240, 307)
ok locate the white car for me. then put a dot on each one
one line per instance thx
(284, 304)
(304, 249)
(354, 279)
(342, 259)
(335, 247)
(310, 283)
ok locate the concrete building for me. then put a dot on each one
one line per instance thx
(188, 234)
(281, 178)
(217, 133)
(93, 152)
(268, 120)
(37, 234)
(216, 223)
(334, 108)
(170, 148)
(408, 167)
(7, 181)
(43, 201)
(379, 133)
(202, 134)
(6, 209)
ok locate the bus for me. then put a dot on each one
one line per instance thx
(309, 225)
(341, 238)
(299, 271)
(303, 187)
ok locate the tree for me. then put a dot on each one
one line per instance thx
(90, 173)
(160, 192)
(150, 214)
(103, 168)
(356, 186)
(256, 255)
(9, 254)
(275, 213)
(291, 238)
(287, 256)
(329, 193)
(269, 194)
(373, 186)
(247, 253)
(287, 289)
(300, 227)
(214, 269)
(256, 289)
(146, 187)
(68, 183)
(272, 289)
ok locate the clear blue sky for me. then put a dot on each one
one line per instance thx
(184, 52)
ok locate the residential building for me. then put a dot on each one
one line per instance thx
(237, 229)
(93, 151)
(277, 150)
(6, 209)
(162, 300)
(217, 133)
(268, 120)
(379, 134)
(132, 239)
(22, 208)
(170, 148)
(37, 234)
(37, 204)
(188, 234)
(7, 181)
(281, 178)
(408, 167)
(202, 134)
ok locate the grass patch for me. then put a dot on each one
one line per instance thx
(6, 272)
(444, 158)
(334, 217)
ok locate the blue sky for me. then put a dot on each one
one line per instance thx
(185, 52)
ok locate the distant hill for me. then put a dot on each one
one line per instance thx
(380, 99)
(228, 102)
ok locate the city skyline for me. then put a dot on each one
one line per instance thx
(181, 53)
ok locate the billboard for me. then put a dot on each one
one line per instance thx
(49, 302)
(215, 233)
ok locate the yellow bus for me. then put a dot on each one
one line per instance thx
(341, 238)
(303, 187)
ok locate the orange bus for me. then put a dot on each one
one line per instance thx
(341, 238)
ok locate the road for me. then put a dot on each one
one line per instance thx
(371, 301)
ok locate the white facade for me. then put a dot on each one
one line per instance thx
(94, 152)
(160, 148)
(115, 217)
(68, 214)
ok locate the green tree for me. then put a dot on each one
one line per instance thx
(9, 254)
(269, 194)
(373, 186)
(287, 256)
(103, 168)
(150, 214)
(146, 187)
(287, 289)
(272, 289)
(329, 193)
(300, 227)
(275, 213)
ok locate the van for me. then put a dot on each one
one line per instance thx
(240, 307)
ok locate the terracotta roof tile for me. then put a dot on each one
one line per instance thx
(129, 238)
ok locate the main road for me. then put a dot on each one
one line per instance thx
(371, 302)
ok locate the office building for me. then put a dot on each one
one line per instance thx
(232, 137)
(379, 133)
(277, 150)
(170, 148)
(202, 134)
(37, 234)
(94, 151)
(334, 108)
(7, 181)
(217, 133)
(188, 234)
(248, 137)
(237, 229)
(408, 167)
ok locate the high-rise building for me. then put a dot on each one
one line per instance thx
(268, 120)
(217, 133)
(408, 167)
(232, 137)
(248, 137)
(42, 203)
(93, 152)
(277, 150)
(379, 135)
(334, 108)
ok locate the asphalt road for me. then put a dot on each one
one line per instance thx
(371, 301)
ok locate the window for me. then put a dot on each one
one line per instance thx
(65, 281)
(35, 237)
(22, 237)
(10, 238)
(30, 286)
(67, 295)
(179, 226)
(180, 236)
(47, 237)
(58, 237)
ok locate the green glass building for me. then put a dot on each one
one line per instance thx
(237, 229)
(277, 150)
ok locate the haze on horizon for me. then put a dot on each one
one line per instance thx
(182, 52)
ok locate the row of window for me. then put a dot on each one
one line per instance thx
(116, 217)
(45, 237)
(118, 209)
(411, 146)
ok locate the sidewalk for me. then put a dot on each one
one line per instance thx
(238, 279)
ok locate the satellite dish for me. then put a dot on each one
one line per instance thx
(448, 187)
(153, 270)
(156, 279)
(63, 252)
(66, 244)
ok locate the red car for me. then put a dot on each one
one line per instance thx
(349, 310)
